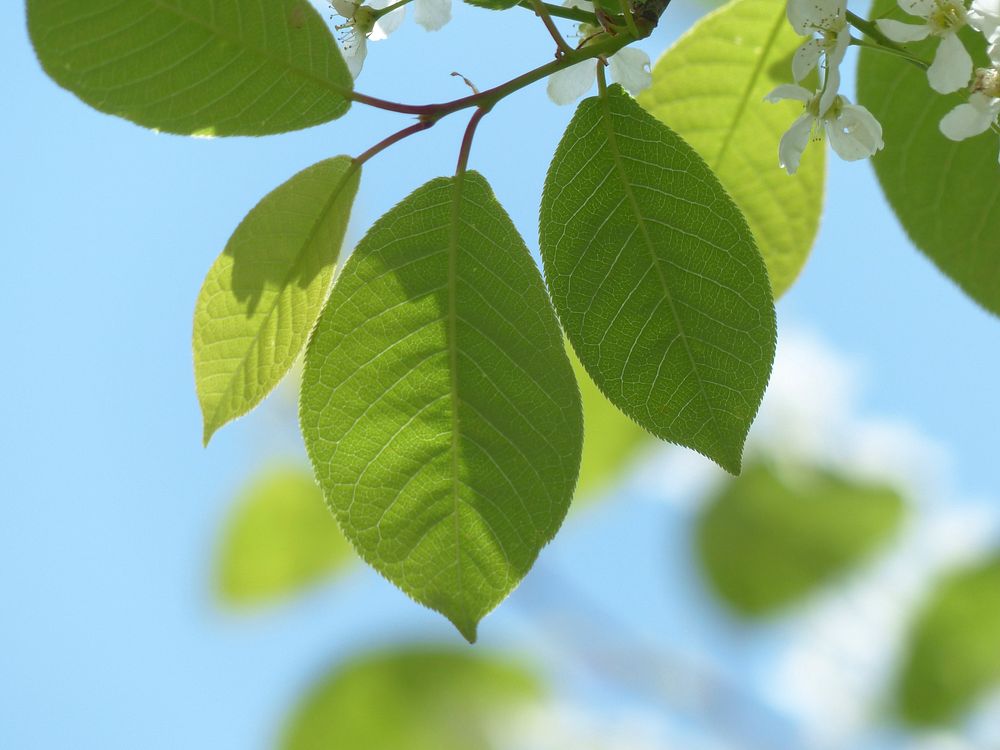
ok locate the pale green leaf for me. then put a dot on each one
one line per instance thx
(773, 536)
(611, 441)
(946, 194)
(953, 655)
(438, 405)
(279, 538)
(195, 67)
(416, 699)
(656, 278)
(710, 87)
(265, 291)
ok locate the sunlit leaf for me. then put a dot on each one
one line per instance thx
(946, 194)
(710, 87)
(201, 67)
(656, 278)
(438, 405)
(280, 537)
(953, 656)
(772, 537)
(262, 296)
(419, 699)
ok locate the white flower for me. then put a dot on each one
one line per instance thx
(980, 113)
(853, 131)
(952, 66)
(363, 24)
(825, 22)
(432, 14)
(984, 16)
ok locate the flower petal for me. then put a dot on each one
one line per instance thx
(901, 32)
(806, 16)
(387, 23)
(806, 58)
(952, 66)
(345, 8)
(432, 14)
(831, 86)
(854, 133)
(794, 142)
(922, 8)
(355, 49)
(630, 67)
(569, 84)
(789, 91)
(969, 119)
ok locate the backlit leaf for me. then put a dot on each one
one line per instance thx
(438, 405)
(264, 293)
(195, 67)
(656, 278)
(709, 87)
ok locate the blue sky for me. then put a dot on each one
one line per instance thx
(112, 506)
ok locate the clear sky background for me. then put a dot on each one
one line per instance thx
(111, 507)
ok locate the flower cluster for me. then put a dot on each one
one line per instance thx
(852, 130)
(371, 21)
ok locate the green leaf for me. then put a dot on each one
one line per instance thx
(263, 294)
(195, 67)
(953, 655)
(946, 194)
(710, 87)
(416, 699)
(279, 538)
(772, 537)
(656, 278)
(611, 441)
(438, 405)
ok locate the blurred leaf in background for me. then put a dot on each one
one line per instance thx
(773, 536)
(953, 655)
(279, 538)
(417, 698)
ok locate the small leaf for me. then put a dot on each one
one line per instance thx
(438, 405)
(771, 538)
(611, 441)
(193, 67)
(264, 293)
(656, 278)
(280, 538)
(710, 87)
(946, 194)
(953, 655)
(426, 699)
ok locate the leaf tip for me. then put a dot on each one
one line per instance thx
(467, 627)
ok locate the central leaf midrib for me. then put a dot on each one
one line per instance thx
(455, 216)
(641, 223)
(745, 98)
